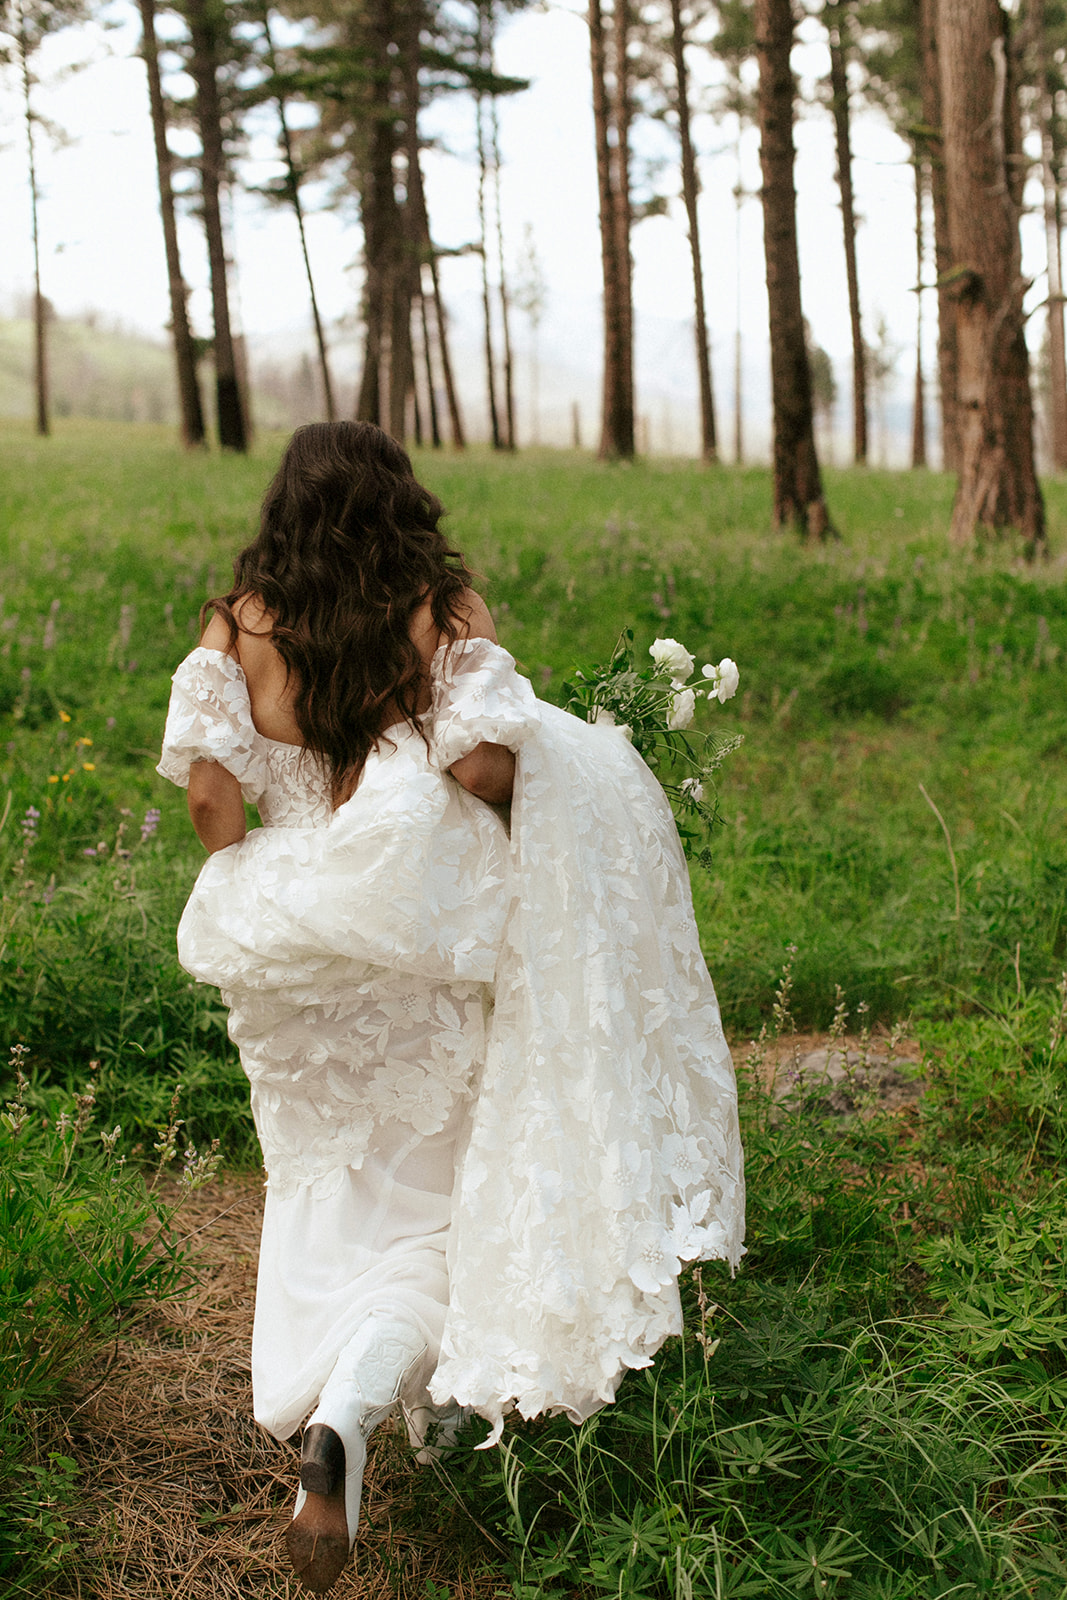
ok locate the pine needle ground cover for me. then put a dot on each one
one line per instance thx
(875, 1405)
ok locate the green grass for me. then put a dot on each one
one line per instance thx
(883, 1412)
(868, 668)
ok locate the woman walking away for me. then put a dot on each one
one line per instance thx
(488, 1075)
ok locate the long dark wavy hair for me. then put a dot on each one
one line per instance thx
(348, 548)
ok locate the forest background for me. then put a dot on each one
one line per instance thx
(875, 1406)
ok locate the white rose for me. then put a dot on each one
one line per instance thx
(671, 657)
(606, 719)
(725, 678)
(683, 707)
(693, 788)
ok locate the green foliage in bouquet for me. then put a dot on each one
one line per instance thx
(654, 708)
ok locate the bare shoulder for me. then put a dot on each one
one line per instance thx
(474, 617)
(252, 616)
(473, 621)
(252, 620)
(216, 636)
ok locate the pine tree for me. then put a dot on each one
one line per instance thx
(798, 493)
(185, 355)
(998, 485)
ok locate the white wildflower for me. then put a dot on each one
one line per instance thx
(724, 679)
(672, 657)
(692, 788)
(683, 707)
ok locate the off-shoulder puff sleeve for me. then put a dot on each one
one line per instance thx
(478, 696)
(210, 719)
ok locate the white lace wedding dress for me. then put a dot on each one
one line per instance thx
(488, 1072)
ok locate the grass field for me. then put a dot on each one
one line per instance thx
(884, 1412)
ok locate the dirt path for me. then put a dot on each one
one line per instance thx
(186, 1498)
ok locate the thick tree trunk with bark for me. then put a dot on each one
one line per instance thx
(834, 16)
(708, 442)
(381, 222)
(204, 67)
(192, 411)
(947, 358)
(798, 494)
(401, 352)
(617, 430)
(391, 245)
(998, 485)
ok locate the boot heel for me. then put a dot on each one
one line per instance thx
(322, 1460)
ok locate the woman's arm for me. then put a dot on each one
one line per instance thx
(488, 770)
(215, 806)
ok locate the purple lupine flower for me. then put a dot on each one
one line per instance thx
(150, 823)
(29, 825)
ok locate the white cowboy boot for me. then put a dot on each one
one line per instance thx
(362, 1389)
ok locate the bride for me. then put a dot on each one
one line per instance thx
(495, 1102)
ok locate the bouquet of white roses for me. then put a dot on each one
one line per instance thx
(654, 708)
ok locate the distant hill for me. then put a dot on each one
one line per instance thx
(115, 375)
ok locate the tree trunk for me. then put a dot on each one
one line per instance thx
(487, 305)
(739, 200)
(292, 184)
(798, 495)
(417, 198)
(947, 354)
(918, 417)
(202, 32)
(401, 355)
(40, 308)
(423, 250)
(617, 430)
(427, 358)
(621, 25)
(380, 218)
(1050, 178)
(998, 485)
(192, 411)
(505, 298)
(835, 19)
(709, 449)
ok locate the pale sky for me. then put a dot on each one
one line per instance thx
(102, 244)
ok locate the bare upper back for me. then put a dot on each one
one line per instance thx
(270, 693)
